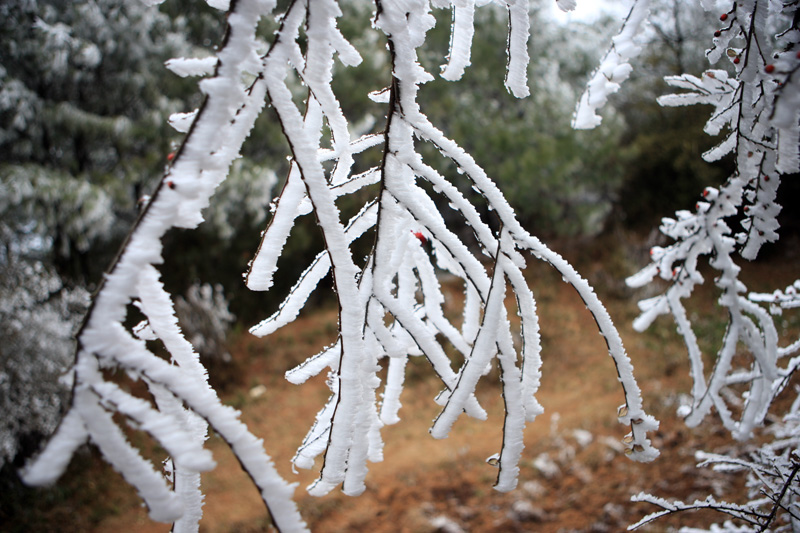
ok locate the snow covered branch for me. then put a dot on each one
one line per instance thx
(754, 99)
(184, 404)
(772, 485)
(743, 103)
(614, 68)
(391, 304)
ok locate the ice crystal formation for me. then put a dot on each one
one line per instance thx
(390, 303)
(754, 92)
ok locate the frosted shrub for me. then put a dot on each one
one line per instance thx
(82, 107)
(205, 320)
(38, 317)
(391, 302)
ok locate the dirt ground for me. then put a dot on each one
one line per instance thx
(573, 474)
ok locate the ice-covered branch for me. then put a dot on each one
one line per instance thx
(754, 101)
(614, 68)
(772, 485)
(742, 104)
(184, 404)
(747, 514)
(391, 304)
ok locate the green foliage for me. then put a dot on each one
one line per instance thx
(662, 148)
(84, 99)
(664, 170)
(559, 181)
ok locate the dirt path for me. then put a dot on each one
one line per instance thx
(573, 476)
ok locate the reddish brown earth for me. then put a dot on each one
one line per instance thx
(422, 480)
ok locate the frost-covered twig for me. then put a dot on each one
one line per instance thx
(744, 513)
(743, 103)
(772, 484)
(184, 404)
(391, 304)
(614, 68)
(755, 108)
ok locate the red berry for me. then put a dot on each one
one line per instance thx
(717, 33)
(723, 17)
(170, 156)
(769, 69)
(766, 178)
(421, 237)
(736, 60)
(171, 184)
(798, 55)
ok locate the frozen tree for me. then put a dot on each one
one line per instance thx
(81, 111)
(38, 317)
(390, 302)
(754, 91)
(205, 320)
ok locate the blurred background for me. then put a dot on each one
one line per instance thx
(84, 138)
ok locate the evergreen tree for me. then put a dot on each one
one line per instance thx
(84, 102)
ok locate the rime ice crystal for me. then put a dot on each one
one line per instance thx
(391, 306)
(755, 112)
